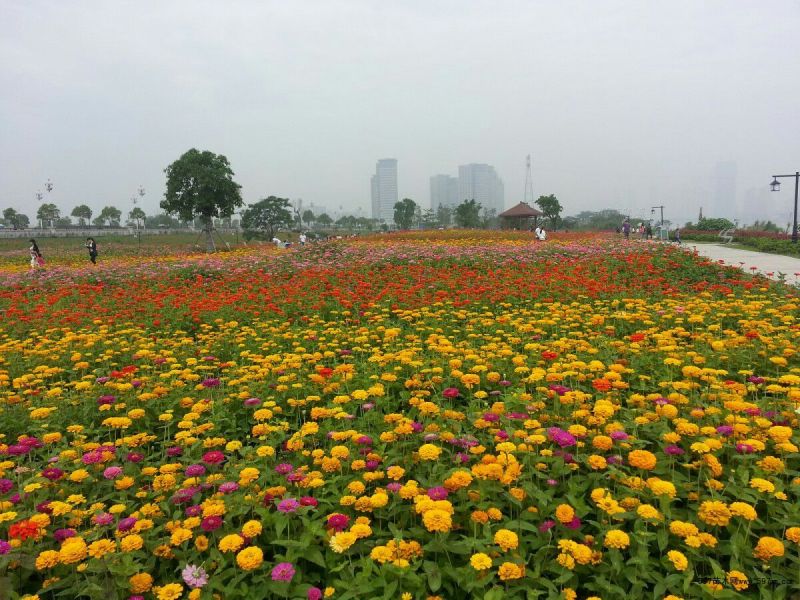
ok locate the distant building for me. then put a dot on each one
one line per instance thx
(384, 189)
(481, 183)
(444, 191)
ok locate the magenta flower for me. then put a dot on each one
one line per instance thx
(619, 435)
(309, 501)
(214, 457)
(289, 505)
(314, 593)
(112, 472)
(673, 450)
(451, 392)
(228, 487)
(103, 519)
(194, 576)
(195, 471)
(52, 473)
(6, 485)
(438, 493)
(283, 572)
(574, 524)
(338, 522)
(561, 437)
(126, 524)
(61, 534)
(5, 547)
(211, 382)
(547, 525)
(284, 468)
(210, 524)
(252, 402)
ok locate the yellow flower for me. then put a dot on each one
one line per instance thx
(678, 559)
(437, 520)
(642, 459)
(231, 543)
(47, 560)
(714, 512)
(480, 561)
(429, 452)
(762, 485)
(738, 580)
(744, 510)
(506, 539)
(171, 591)
(73, 550)
(510, 570)
(180, 535)
(252, 529)
(141, 583)
(250, 558)
(565, 513)
(131, 542)
(793, 534)
(617, 539)
(342, 541)
(768, 548)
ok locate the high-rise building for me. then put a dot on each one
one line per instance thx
(481, 183)
(444, 191)
(384, 190)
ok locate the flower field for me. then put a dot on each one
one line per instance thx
(426, 415)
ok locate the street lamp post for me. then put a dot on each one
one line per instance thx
(776, 186)
(661, 228)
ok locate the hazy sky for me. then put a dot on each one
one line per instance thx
(622, 104)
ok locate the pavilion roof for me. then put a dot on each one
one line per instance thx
(522, 209)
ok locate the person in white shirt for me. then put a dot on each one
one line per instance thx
(302, 239)
(542, 235)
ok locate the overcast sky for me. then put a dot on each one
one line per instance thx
(622, 104)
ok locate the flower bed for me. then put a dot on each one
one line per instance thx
(442, 415)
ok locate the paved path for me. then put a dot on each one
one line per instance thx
(767, 264)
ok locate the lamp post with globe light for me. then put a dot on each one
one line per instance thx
(776, 186)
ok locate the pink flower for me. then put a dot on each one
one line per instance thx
(451, 392)
(547, 525)
(283, 572)
(289, 505)
(314, 593)
(338, 522)
(194, 576)
(210, 524)
(214, 457)
(112, 472)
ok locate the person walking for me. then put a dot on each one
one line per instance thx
(648, 230)
(678, 236)
(36, 256)
(626, 229)
(303, 239)
(91, 245)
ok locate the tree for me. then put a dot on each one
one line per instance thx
(444, 215)
(404, 213)
(162, 221)
(308, 216)
(324, 220)
(47, 213)
(137, 216)
(63, 223)
(468, 214)
(10, 217)
(22, 221)
(83, 213)
(265, 215)
(200, 184)
(551, 208)
(111, 215)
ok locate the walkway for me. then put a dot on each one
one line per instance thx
(767, 264)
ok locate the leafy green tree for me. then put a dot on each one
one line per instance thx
(63, 223)
(22, 221)
(404, 213)
(47, 214)
(551, 207)
(308, 216)
(200, 184)
(137, 216)
(711, 224)
(110, 215)
(468, 214)
(162, 221)
(324, 220)
(265, 215)
(11, 217)
(444, 215)
(83, 213)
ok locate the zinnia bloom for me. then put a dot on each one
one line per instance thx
(194, 576)
(283, 572)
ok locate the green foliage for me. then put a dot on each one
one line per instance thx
(603, 220)
(404, 213)
(711, 225)
(110, 215)
(468, 214)
(83, 213)
(324, 220)
(47, 214)
(551, 208)
(163, 221)
(266, 215)
(200, 184)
